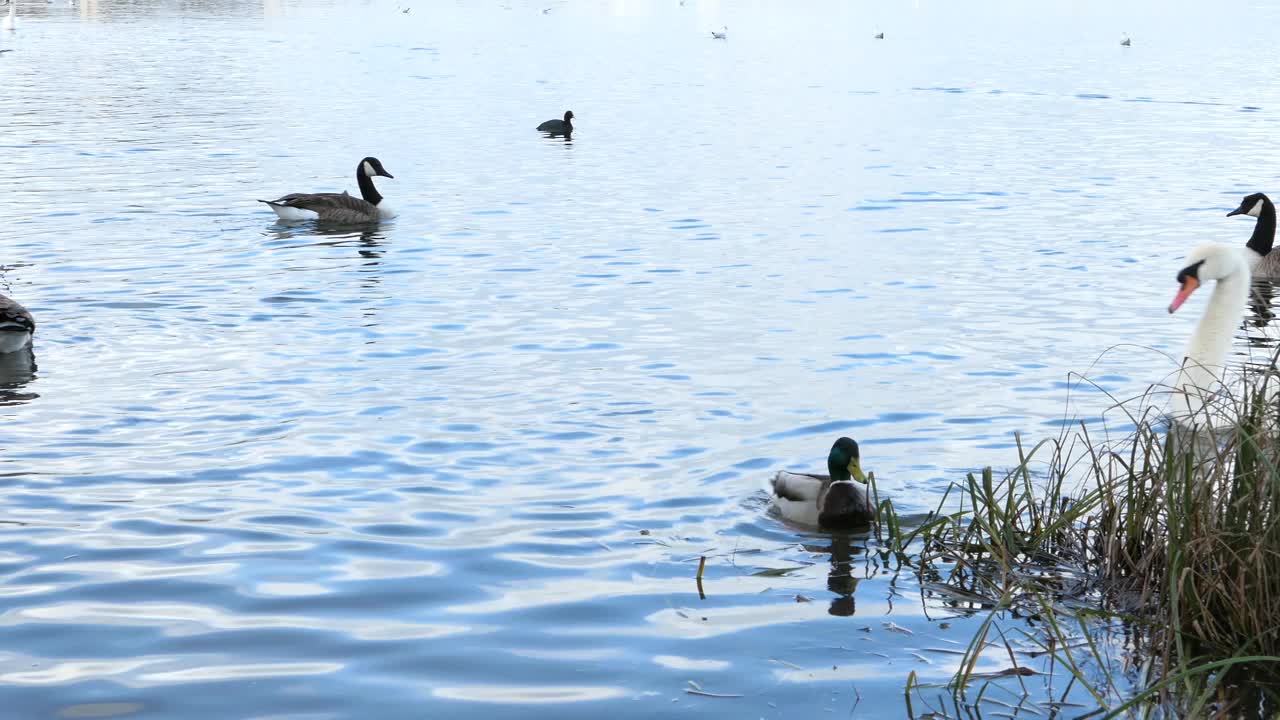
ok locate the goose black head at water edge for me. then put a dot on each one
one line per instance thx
(16, 326)
(1262, 263)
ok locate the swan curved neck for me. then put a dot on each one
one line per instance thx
(1264, 231)
(1204, 365)
(367, 190)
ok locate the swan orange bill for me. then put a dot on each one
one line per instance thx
(1189, 285)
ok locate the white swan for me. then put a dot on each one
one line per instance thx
(10, 21)
(838, 500)
(720, 35)
(1204, 364)
(338, 207)
(16, 326)
(1262, 262)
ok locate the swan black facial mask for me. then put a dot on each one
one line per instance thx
(1189, 278)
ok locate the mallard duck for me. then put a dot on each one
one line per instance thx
(558, 127)
(339, 207)
(838, 500)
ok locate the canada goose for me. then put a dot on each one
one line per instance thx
(1262, 262)
(723, 35)
(879, 36)
(837, 500)
(10, 21)
(558, 127)
(16, 326)
(1203, 365)
(338, 207)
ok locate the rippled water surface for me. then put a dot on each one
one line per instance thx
(464, 464)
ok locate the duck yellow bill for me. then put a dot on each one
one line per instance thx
(1189, 285)
(856, 472)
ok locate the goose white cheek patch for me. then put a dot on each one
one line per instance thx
(1256, 210)
(368, 169)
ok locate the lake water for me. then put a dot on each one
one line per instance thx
(463, 465)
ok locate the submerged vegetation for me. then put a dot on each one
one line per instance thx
(1148, 563)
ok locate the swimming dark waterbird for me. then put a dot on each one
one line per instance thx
(838, 500)
(558, 127)
(1263, 263)
(339, 207)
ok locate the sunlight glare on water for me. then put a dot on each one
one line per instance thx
(464, 464)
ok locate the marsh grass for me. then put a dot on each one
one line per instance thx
(1165, 536)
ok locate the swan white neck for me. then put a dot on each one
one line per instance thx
(1205, 362)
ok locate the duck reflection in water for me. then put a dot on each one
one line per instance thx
(840, 580)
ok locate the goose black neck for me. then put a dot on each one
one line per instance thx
(1264, 231)
(367, 190)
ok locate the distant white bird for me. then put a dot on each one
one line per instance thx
(879, 36)
(1126, 42)
(546, 11)
(10, 21)
(721, 35)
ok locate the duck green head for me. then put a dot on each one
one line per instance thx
(842, 461)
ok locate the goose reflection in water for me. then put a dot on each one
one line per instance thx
(367, 241)
(1260, 300)
(17, 370)
(1257, 329)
